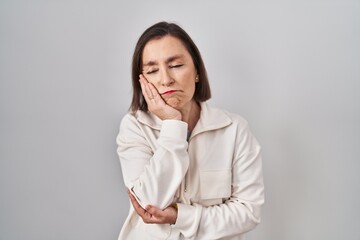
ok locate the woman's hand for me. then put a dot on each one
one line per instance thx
(155, 103)
(154, 215)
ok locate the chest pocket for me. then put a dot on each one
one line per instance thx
(215, 186)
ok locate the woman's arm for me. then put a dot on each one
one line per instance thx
(153, 177)
(153, 214)
(241, 212)
(237, 215)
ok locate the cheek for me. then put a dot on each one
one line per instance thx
(188, 78)
(191, 82)
(190, 89)
(193, 90)
(152, 80)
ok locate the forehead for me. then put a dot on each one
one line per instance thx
(161, 49)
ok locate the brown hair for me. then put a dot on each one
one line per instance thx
(157, 31)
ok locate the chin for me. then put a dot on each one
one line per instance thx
(174, 102)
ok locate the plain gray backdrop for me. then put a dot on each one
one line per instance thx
(291, 68)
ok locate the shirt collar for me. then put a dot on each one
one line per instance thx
(210, 119)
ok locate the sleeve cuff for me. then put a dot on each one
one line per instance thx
(188, 219)
(174, 128)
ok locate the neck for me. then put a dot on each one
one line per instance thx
(191, 114)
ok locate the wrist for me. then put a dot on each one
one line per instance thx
(178, 117)
(173, 117)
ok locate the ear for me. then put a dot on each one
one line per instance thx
(197, 78)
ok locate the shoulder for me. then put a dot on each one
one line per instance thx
(239, 124)
(128, 119)
(133, 120)
(141, 117)
(139, 121)
(129, 123)
(237, 129)
(233, 118)
(236, 118)
(131, 127)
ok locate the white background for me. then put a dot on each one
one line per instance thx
(291, 68)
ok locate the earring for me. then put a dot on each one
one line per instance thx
(197, 78)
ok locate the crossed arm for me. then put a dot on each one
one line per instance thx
(153, 214)
(239, 214)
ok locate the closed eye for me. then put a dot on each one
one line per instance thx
(152, 71)
(177, 66)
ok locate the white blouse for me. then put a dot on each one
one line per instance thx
(215, 177)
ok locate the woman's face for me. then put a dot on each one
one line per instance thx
(169, 67)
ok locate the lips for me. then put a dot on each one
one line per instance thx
(168, 92)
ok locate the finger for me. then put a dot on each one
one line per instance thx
(151, 90)
(168, 215)
(148, 92)
(152, 210)
(134, 201)
(145, 88)
(146, 217)
(154, 91)
(136, 205)
(142, 76)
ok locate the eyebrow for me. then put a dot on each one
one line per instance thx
(168, 60)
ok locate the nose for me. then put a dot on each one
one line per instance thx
(166, 78)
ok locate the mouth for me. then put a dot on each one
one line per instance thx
(168, 92)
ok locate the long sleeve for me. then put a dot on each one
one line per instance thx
(238, 214)
(153, 176)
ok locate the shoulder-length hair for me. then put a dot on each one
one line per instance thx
(157, 31)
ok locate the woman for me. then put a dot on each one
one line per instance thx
(193, 171)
